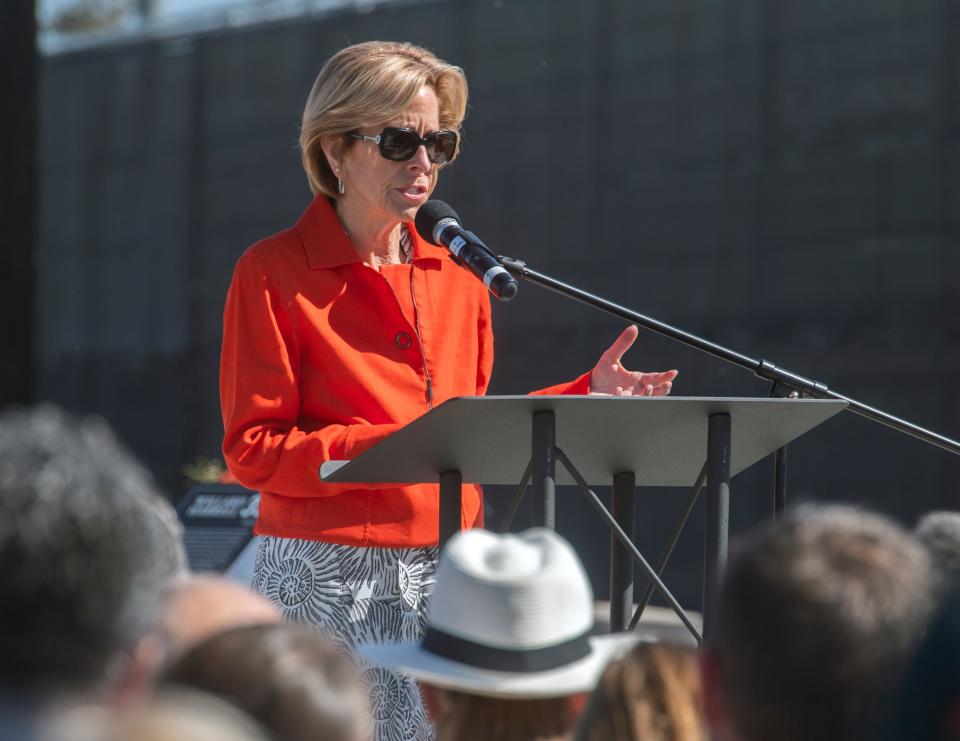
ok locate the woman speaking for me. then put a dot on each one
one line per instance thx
(343, 328)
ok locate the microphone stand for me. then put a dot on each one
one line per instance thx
(785, 384)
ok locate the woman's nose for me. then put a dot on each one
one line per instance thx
(420, 161)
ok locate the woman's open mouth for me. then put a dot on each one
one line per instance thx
(414, 193)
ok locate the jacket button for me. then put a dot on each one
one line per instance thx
(402, 340)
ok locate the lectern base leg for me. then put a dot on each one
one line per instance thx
(451, 505)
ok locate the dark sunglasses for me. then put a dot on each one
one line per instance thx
(400, 145)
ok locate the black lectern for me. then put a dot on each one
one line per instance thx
(646, 441)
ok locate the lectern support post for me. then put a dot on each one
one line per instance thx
(544, 472)
(779, 483)
(718, 512)
(451, 504)
(621, 562)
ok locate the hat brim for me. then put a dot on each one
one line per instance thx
(580, 676)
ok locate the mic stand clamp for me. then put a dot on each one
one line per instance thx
(781, 390)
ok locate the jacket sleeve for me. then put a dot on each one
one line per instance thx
(578, 386)
(484, 345)
(263, 445)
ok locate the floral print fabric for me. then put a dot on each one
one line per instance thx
(357, 595)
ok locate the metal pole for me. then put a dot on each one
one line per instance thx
(718, 513)
(451, 504)
(621, 563)
(779, 483)
(543, 478)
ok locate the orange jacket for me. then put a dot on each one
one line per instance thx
(323, 357)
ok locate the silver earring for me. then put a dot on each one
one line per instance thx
(340, 185)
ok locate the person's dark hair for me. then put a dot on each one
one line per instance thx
(87, 546)
(927, 707)
(479, 718)
(651, 694)
(939, 531)
(816, 619)
(287, 677)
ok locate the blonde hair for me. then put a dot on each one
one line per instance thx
(365, 85)
(652, 694)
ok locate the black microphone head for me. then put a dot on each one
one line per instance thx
(429, 215)
(504, 287)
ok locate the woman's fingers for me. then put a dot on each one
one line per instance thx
(620, 345)
(649, 389)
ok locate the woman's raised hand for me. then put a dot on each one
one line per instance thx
(610, 377)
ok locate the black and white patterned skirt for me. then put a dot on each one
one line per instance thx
(357, 595)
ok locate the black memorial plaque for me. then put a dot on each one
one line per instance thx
(218, 524)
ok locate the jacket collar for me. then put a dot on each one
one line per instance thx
(328, 246)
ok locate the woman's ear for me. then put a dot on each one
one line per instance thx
(334, 148)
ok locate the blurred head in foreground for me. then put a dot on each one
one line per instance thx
(87, 547)
(816, 619)
(286, 677)
(928, 705)
(184, 716)
(197, 606)
(651, 694)
(168, 715)
(507, 653)
(939, 531)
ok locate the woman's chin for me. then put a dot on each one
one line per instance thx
(406, 212)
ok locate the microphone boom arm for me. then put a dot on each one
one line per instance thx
(761, 368)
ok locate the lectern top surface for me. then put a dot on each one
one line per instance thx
(661, 439)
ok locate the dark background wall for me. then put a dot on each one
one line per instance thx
(781, 177)
(18, 184)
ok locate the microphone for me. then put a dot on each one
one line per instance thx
(439, 224)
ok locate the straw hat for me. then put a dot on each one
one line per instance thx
(510, 616)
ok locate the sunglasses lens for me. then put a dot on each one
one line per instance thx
(398, 144)
(441, 146)
(401, 144)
